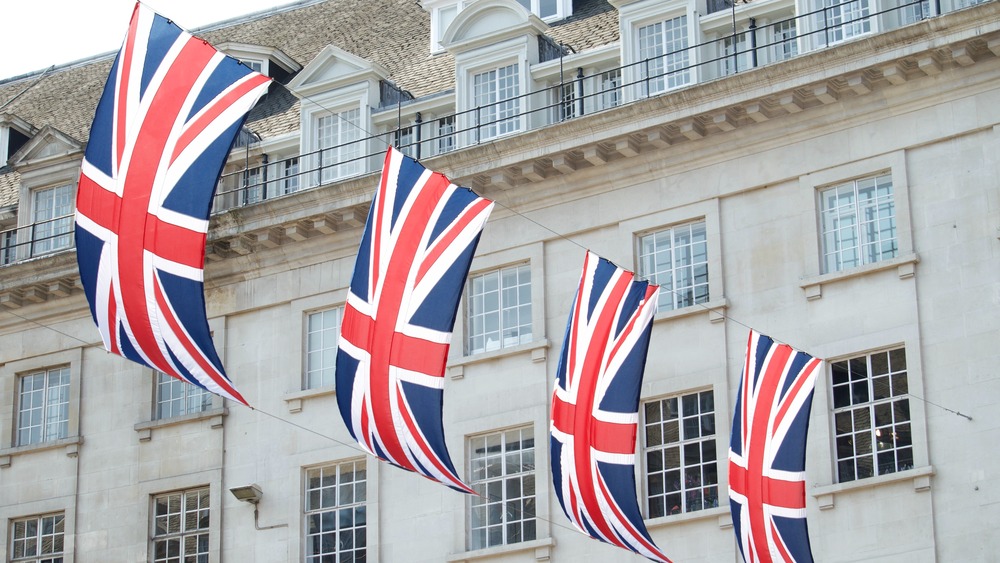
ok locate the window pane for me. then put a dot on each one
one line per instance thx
(676, 462)
(857, 223)
(676, 259)
(499, 309)
(504, 514)
(870, 417)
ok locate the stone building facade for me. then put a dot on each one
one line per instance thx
(827, 174)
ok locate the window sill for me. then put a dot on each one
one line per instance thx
(536, 347)
(294, 399)
(723, 514)
(813, 286)
(71, 444)
(921, 477)
(716, 310)
(145, 429)
(542, 548)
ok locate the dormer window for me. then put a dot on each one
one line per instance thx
(14, 133)
(443, 12)
(548, 10)
(265, 60)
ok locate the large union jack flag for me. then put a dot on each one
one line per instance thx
(415, 254)
(595, 406)
(767, 452)
(162, 131)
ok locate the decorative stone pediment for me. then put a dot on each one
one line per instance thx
(490, 22)
(47, 148)
(334, 68)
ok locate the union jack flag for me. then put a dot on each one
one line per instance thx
(595, 406)
(161, 134)
(767, 452)
(415, 254)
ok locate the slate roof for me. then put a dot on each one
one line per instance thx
(8, 188)
(377, 30)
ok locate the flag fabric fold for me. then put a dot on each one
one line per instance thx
(767, 452)
(595, 406)
(162, 131)
(414, 258)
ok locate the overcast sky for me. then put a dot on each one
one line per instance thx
(40, 33)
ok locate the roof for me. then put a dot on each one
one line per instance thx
(8, 188)
(376, 30)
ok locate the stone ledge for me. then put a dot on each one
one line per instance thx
(145, 429)
(294, 399)
(824, 495)
(813, 286)
(533, 347)
(71, 444)
(542, 549)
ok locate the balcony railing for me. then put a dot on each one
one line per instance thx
(574, 96)
(37, 239)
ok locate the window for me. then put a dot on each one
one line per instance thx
(440, 20)
(676, 259)
(681, 464)
(783, 39)
(338, 138)
(611, 83)
(253, 186)
(495, 96)
(8, 246)
(499, 309)
(335, 513)
(843, 20)
(175, 397)
(445, 134)
(180, 526)
(858, 223)
(914, 12)
(871, 415)
(503, 474)
(253, 64)
(406, 141)
(38, 539)
(566, 102)
(549, 10)
(52, 219)
(322, 338)
(734, 54)
(43, 406)
(663, 56)
(288, 174)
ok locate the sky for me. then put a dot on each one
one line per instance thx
(40, 33)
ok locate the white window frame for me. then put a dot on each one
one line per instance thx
(509, 301)
(56, 539)
(859, 416)
(707, 211)
(9, 399)
(345, 503)
(533, 256)
(53, 396)
(489, 476)
(690, 494)
(342, 155)
(869, 246)
(321, 337)
(56, 231)
(810, 185)
(635, 16)
(182, 534)
(497, 116)
(188, 397)
(670, 293)
(563, 9)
